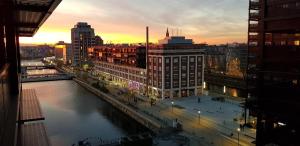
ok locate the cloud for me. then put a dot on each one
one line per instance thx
(219, 20)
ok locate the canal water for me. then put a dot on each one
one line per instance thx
(72, 114)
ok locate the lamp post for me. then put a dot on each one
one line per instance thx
(238, 130)
(199, 112)
(172, 105)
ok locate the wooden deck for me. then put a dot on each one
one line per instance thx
(30, 106)
(34, 134)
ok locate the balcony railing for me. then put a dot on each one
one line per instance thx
(253, 27)
(254, 16)
(254, 5)
(253, 38)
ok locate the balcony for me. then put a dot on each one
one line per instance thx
(253, 28)
(254, 16)
(254, 5)
(253, 37)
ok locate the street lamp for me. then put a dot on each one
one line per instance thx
(199, 112)
(238, 130)
(172, 105)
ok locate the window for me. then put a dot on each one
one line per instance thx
(192, 59)
(175, 60)
(199, 74)
(167, 60)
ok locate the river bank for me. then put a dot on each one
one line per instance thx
(151, 124)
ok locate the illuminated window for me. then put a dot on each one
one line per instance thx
(285, 5)
(297, 43)
(295, 82)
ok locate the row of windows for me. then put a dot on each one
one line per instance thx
(123, 69)
(123, 75)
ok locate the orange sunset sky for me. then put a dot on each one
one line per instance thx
(124, 21)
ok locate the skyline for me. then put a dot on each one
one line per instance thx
(213, 22)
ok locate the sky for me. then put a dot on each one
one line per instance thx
(124, 21)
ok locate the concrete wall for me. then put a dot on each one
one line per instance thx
(139, 117)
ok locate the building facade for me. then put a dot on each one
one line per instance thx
(63, 51)
(274, 70)
(225, 69)
(36, 51)
(129, 77)
(130, 55)
(175, 68)
(83, 37)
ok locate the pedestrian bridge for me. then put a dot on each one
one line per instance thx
(32, 67)
(46, 77)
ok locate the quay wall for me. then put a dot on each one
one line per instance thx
(139, 117)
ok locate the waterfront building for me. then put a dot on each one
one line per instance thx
(36, 51)
(83, 37)
(274, 70)
(63, 51)
(175, 68)
(129, 55)
(123, 64)
(129, 77)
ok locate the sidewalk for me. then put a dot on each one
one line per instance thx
(210, 130)
(220, 113)
(211, 126)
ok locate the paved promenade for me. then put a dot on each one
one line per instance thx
(214, 126)
(209, 129)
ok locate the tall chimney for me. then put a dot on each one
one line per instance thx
(147, 60)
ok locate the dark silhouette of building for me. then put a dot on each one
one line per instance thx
(83, 37)
(17, 18)
(274, 70)
(141, 57)
(98, 41)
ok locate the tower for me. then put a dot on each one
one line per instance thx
(274, 70)
(83, 37)
(167, 34)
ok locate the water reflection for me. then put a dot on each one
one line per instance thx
(72, 114)
(42, 71)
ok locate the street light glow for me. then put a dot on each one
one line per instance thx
(199, 112)
(281, 124)
(238, 129)
(172, 102)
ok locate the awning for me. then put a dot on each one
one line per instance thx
(31, 14)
